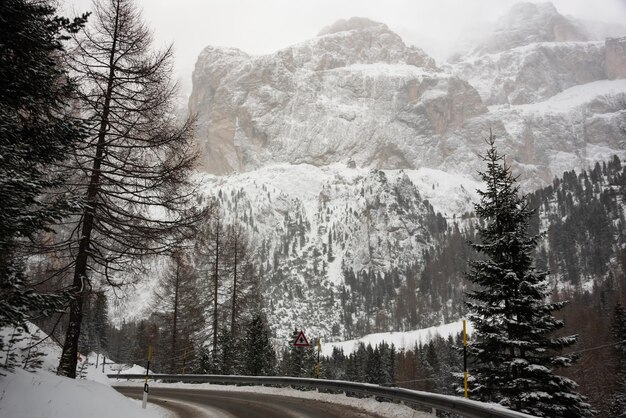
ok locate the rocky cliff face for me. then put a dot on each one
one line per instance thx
(534, 72)
(616, 58)
(358, 92)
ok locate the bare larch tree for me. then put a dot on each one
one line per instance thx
(134, 166)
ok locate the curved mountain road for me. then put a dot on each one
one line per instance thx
(194, 403)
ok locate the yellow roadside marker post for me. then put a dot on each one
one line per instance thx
(319, 349)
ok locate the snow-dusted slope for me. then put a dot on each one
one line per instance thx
(310, 223)
(45, 395)
(307, 224)
(401, 340)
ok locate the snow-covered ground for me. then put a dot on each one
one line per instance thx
(43, 394)
(401, 340)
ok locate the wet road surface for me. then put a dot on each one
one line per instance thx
(194, 403)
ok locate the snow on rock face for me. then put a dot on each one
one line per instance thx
(574, 128)
(532, 73)
(535, 53)
(358, 91)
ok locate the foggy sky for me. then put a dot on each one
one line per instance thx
(264, 26)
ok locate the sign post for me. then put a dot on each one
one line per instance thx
(145, 385)
(464, 359)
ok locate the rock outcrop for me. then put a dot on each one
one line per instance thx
(532, 73)
(616, 58)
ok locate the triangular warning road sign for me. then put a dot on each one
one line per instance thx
(301, 340)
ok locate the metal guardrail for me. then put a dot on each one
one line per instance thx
(460, 406)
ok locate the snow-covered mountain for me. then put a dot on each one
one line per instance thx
(352, 152)
(357, 91)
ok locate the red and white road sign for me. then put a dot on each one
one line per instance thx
(301, 340)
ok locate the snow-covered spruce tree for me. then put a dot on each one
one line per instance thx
(135, 162)
(514, 353)
(259, 358)
(37, 130)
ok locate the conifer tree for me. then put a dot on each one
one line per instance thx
(515, 353)
(259, 358)
(225, 356)
(37, 131)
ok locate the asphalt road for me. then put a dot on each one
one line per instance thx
(190, 403)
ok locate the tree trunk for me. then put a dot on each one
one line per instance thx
(215, 287)
(233, 309)
(69, 356)
(175, 319)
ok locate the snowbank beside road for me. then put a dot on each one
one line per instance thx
(45, 395)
